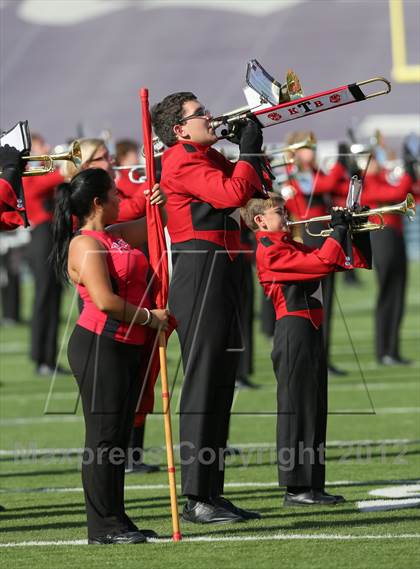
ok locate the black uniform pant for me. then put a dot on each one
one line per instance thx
(390, 262)
(46, 308)
(301, 371)
(108, 376)
(204, 298)
(10, 284)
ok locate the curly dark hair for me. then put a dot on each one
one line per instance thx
(166, 114)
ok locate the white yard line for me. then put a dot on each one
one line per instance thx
(208, 538)
(147, 487)
(385, 505)
(29, 452)
(61, 418)
(334, 386)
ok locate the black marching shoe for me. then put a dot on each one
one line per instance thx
(332, 370)
(148, 533)
(312, 498)
(119, 538)
(142, 468)
(243, 382)
(209, 513)
(394, 361)
(227, 504)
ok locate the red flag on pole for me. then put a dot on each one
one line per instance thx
(158, 260)
(156, 241)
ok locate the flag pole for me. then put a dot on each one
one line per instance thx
(151, 178)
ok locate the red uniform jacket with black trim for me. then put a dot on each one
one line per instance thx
(40, 196)
(377, 192)
(204, 190)
(290, 272)
(9, 217)
(327, 190)
(132, 199)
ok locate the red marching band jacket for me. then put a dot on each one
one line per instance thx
(9, 218)
(377, 192)
(327, 190)
(204, 190)
(290, 272)
(132, 199)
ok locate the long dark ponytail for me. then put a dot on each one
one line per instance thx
(75, 199)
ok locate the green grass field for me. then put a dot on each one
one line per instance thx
(41, 491)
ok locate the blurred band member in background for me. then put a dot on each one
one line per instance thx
(40, 199)
(95, 154)
(389, 259)
(106, 350)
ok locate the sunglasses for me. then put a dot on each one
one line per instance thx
(199, 114)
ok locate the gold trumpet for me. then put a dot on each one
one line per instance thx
(73, 154)
(406, 207)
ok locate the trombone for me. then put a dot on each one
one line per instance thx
(133, 168)
(73, 154)
(308, 142)
(406, 207)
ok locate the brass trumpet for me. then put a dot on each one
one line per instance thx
(74, 155)
(406, 207)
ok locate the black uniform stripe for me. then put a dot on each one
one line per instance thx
(356, 92)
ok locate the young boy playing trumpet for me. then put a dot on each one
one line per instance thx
(290, 274)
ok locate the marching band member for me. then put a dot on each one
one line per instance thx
(11, 167)
(204, 190)
(314, 189)
(40, 199)
(95, 154)
(291, 274)
(126, 154)
(132, 205)
(389, 261)
(106, 349)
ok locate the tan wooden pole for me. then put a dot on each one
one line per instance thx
(166, 404)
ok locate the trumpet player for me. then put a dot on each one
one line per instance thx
(314, 193)
(291, 274)
(11, 168)
(40, 192)
(204, 192)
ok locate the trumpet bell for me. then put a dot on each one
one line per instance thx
(74, 154)
(406, 207)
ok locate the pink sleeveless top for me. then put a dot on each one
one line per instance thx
(128, 269)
